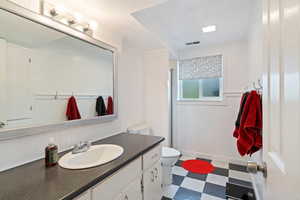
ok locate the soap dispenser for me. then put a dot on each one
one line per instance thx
(51, 154)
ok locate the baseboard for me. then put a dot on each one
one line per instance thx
(214, 157)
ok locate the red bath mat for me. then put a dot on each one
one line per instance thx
(198, 166)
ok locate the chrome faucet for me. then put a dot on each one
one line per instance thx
(81, 147)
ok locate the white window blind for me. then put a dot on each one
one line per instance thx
(201, 68)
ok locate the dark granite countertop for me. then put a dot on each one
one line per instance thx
(33, 181)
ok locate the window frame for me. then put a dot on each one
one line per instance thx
(202, 99)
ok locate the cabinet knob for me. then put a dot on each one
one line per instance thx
(156, 172)
(152, 174)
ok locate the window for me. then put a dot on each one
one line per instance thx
(200, 78)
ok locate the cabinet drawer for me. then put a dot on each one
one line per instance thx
(115, 184)
(152, 157)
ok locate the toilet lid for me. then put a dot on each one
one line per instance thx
(168, 152)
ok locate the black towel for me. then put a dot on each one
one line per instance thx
(244, 99)
(100, 106)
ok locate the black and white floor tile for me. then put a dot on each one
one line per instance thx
(191, 186)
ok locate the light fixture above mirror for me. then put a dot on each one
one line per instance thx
(63, 15)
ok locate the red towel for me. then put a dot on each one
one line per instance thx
(249, 134)
(72, 109)
(110, 106)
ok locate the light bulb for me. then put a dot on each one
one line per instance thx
(93, 25)
(78, 17)
(60, 9)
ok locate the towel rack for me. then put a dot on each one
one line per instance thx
(63, 96)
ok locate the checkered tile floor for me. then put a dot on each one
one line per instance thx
(190, 186)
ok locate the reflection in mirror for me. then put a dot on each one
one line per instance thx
(41, 69)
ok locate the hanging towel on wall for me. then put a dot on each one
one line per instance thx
(100, 106)
(72, 112)
(110, 106)
(249, 134)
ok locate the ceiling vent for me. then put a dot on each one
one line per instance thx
(192, 43)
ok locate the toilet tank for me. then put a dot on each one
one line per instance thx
(142, 129)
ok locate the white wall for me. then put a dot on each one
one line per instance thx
(22, 150)
(205, 128)
(255, 43)
(131, 88)
(156, 65)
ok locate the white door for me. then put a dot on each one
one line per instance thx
(152, 182)
(281, 99)
(18, 84)
(3, 103)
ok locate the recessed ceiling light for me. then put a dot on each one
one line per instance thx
(208, 29)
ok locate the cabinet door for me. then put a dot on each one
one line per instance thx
(84, 196)
(119, 197)
(152, 182)
(134, 191)
(114, 185)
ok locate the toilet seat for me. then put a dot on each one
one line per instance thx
(168, 152)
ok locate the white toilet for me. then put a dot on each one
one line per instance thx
(169, 155)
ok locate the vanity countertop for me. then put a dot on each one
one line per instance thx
(33, 181)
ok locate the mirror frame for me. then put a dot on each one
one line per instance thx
(60, 27)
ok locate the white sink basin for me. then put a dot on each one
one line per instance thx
(96, 155)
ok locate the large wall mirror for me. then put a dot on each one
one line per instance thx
(49, 76)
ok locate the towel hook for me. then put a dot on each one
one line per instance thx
(254, 86)
(260, 84)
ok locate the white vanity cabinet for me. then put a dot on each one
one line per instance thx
(139, 180)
